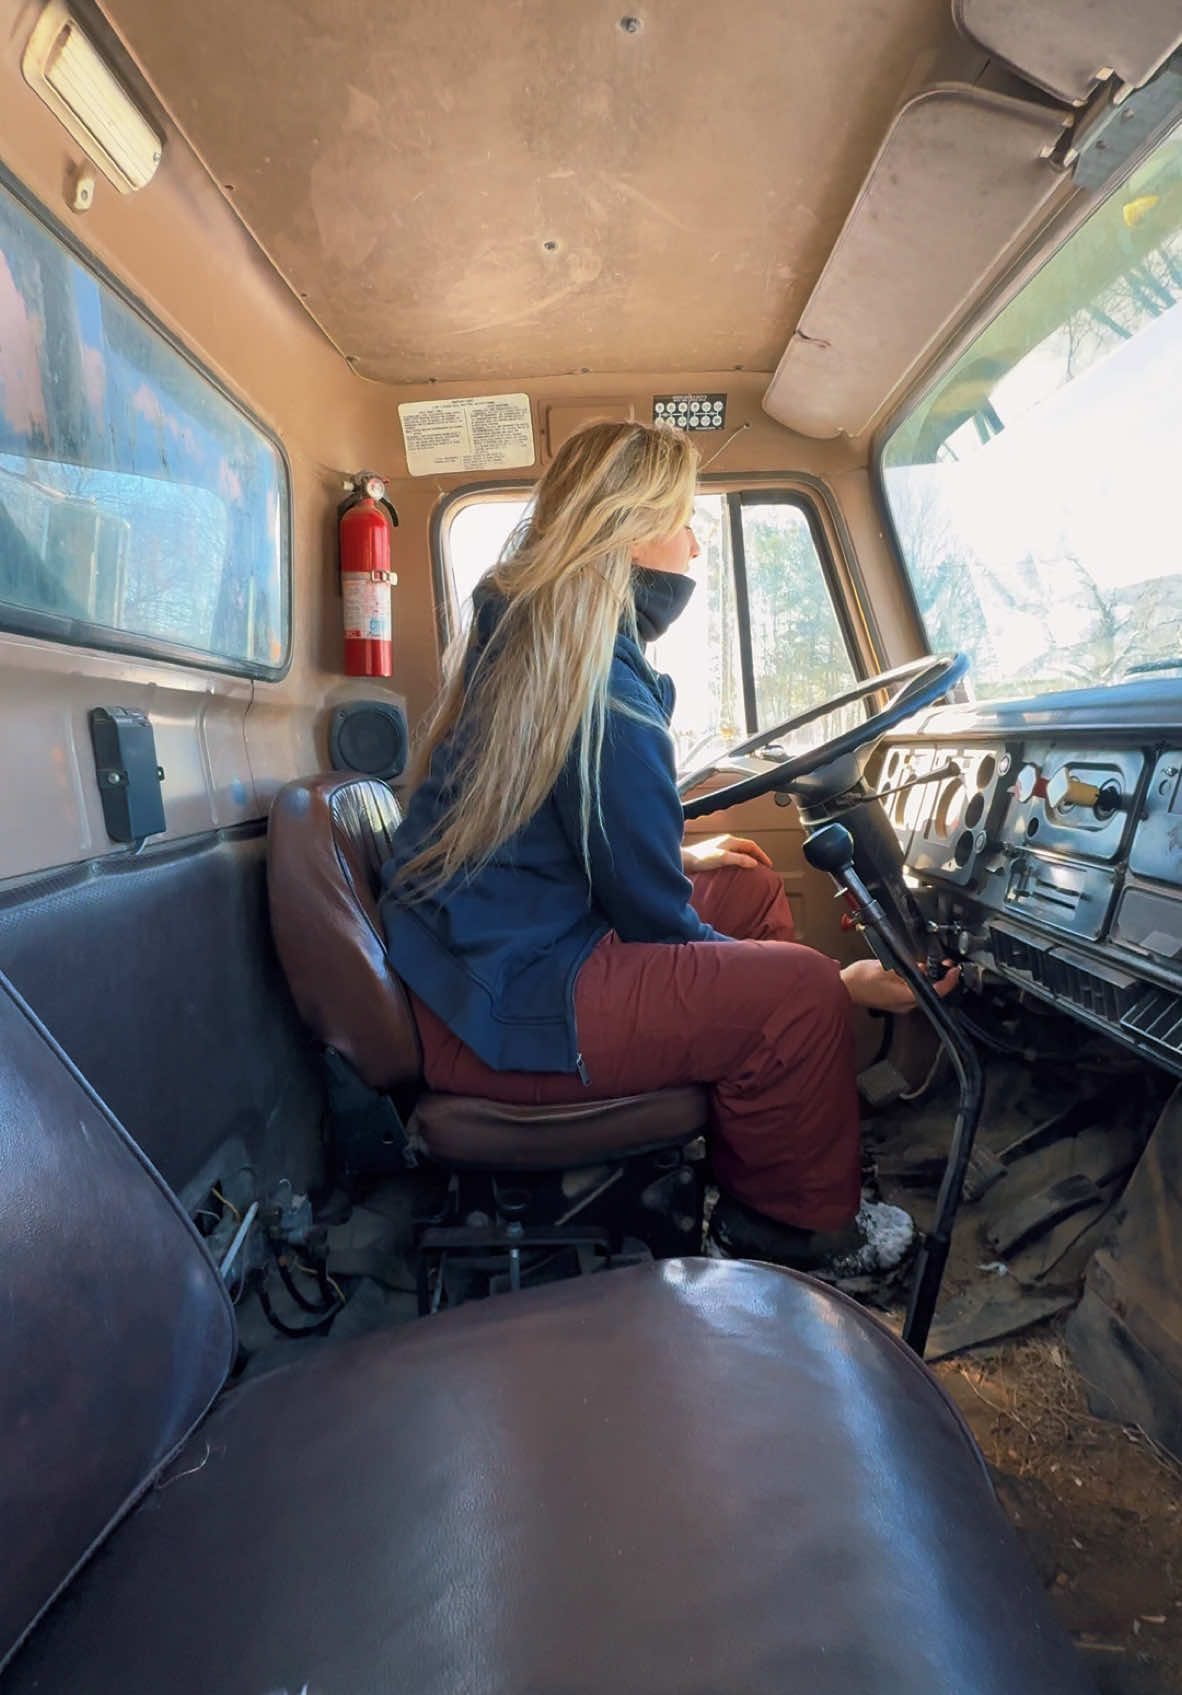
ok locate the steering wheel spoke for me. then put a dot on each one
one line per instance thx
(836, 764)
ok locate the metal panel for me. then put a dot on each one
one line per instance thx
(1157, 846)
(468, 190)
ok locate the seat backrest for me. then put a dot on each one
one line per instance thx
(328, 838)
(116, 1331)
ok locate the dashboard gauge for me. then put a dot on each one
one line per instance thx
(950, 807)
(900, 800)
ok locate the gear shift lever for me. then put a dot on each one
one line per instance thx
(831, 849)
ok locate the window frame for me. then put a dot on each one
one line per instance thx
(78, 632)
(743, 497)
(804, 492)
(446, 510)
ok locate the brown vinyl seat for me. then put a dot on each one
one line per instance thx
(679, 1478)
(329, 837)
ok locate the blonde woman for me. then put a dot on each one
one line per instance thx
(537, 904)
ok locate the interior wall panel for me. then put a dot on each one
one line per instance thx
(178, 247)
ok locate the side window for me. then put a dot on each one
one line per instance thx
(140, 509)
(701, 650)
(473, 538)
(799, 654)
(730, 681)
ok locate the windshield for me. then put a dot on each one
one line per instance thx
(1035, 490)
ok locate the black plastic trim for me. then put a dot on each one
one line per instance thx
(34, 885)
(734, 517)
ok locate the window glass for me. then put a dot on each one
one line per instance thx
(477, 532)
(700, 651)
(1034, 487)
(139, 508)
(798, 652)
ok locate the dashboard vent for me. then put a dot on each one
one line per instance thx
(1012, 951)
(1158, 1018)
(1099, 989)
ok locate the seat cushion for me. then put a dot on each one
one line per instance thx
(461, 1130)
(686, 1478)
(116, 1331)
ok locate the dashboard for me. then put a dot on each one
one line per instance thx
(1043, 839)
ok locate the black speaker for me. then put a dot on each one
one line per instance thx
(369, 737)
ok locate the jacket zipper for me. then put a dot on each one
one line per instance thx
(584, 1074)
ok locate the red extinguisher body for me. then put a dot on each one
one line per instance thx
(366, 584)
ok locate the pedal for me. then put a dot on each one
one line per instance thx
(881, 1085)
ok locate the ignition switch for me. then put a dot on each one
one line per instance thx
(1065, 790)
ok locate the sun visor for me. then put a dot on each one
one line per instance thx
(1067, 46)
(959, 175)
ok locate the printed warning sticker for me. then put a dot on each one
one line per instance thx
(491, 432)
(367, 608)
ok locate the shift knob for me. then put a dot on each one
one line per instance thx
(831, 848)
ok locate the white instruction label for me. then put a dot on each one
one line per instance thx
(491, 432)
(367, 608)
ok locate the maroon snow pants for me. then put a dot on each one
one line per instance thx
(763, 1022)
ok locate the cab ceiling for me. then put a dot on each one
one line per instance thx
(519, 188)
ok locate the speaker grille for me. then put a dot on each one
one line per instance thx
(369, 737)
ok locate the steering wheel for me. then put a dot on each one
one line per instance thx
(917, 684)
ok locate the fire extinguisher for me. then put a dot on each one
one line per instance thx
(364, 522)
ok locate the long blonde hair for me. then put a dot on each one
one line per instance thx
(539, 686)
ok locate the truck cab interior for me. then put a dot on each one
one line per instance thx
(313, 1379)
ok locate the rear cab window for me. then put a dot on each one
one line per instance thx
(141, 509)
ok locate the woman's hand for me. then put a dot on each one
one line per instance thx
(871, 985)
(708, 855)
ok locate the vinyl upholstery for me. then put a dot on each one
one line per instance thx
(465, 1131)
(328, 839)
(115, 1329)
(157, 975)
(677, 1479)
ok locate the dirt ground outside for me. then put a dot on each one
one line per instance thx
(1098, 1506)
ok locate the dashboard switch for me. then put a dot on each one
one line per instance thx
(1064, 790)
(1028, 783)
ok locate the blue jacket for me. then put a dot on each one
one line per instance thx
(495, 956)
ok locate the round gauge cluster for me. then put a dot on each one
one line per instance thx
(960, 808)
(948, 812)
(897, 774)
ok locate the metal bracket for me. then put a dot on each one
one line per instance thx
(1116, 123)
